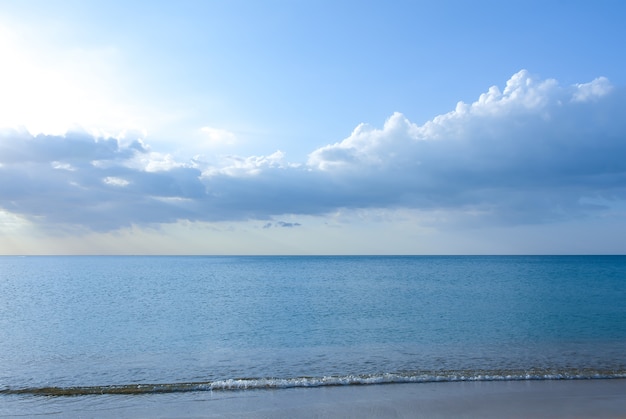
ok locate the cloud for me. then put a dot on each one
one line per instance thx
(218, 136)
(281, 224)
(596, 89)
(104, 189)
(529, 153)
(533, 152)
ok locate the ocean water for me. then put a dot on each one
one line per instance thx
(135, 325)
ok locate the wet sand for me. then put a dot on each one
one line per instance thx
(514, 399)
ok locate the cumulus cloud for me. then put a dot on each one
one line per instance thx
(531, 152)
(596, 89)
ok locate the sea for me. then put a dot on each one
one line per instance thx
(92, 328)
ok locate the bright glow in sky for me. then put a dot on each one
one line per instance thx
(312, 127)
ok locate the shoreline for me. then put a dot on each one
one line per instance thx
(594, 398)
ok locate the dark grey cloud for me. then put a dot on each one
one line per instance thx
(281, 224)
(534, 152)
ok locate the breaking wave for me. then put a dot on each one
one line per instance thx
(303, 382)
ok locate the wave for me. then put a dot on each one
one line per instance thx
(302, 382)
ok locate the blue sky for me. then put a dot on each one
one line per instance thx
(312, 127)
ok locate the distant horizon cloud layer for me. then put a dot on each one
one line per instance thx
(533, 152)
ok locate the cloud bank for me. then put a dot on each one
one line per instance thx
(532, 152)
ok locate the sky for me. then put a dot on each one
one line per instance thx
(312, 127)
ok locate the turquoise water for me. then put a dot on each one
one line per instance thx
(80, 325)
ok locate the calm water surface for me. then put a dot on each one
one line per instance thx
(103, 324)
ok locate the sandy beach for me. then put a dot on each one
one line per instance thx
(514, 399)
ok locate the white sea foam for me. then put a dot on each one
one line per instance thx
(327, 381)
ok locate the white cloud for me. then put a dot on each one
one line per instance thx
(593, 90)
(115, 181)
(157, 162)
(534, 152)
(218, 136)
(247, 166)
(367, 146)
(62, 166)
